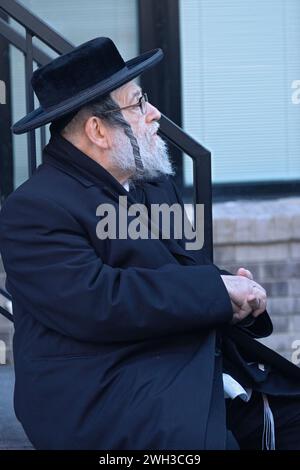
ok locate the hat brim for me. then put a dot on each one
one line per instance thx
(134, 67)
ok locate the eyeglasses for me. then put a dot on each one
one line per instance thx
(141, 104)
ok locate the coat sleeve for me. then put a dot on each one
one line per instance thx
(54, 272)
(259, 327)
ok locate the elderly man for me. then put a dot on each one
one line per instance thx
(127, 342)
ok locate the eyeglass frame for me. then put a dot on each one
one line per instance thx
(139, 104)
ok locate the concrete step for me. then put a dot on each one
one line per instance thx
(12, 436)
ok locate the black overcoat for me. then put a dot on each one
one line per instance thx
(118, 343)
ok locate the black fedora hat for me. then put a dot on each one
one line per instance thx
(89, 71)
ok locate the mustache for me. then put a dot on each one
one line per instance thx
(154, 128)
(151, 131)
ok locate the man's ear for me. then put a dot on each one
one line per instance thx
(97, 132)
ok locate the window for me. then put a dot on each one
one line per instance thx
(77, 22)
(239, 61)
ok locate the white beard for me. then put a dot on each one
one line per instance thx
(153, 152)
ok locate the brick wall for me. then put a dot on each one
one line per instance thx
(6, 327)
(264, 236)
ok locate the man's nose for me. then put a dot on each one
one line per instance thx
(153, 114)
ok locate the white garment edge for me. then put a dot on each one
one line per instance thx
(126, 185)
(233, 389)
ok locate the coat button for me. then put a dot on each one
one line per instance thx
(218, 352)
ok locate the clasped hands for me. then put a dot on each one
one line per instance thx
(247, 296)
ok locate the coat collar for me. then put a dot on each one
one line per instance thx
(61, 154)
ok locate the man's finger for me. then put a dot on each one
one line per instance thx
(254, 302)
(259, 311)
(255, 305)
(258, 304)
(244, 272)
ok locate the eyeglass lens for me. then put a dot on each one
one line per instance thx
(143, 101)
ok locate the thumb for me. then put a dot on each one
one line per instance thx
(245, 273)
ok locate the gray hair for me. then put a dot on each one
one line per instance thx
(99, 109)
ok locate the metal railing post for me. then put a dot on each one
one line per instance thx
(31, 143)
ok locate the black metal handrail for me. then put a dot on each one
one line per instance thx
(5, 294)
(3, 311)
(6, 314)
(201, 170)
(35, 27)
